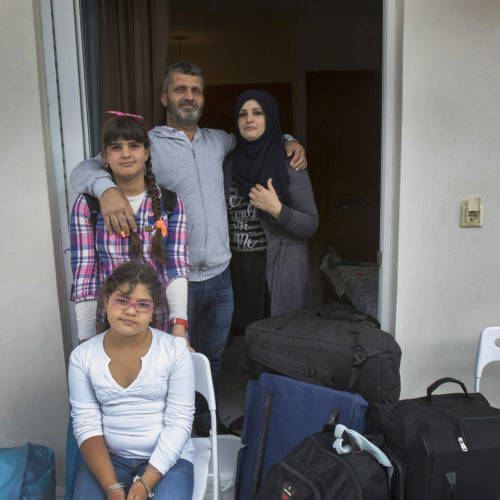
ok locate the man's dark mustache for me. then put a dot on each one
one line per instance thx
(187, 101)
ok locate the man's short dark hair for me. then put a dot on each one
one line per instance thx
(183, 67)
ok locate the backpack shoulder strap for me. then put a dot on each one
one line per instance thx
(93, 204)
(169, 200)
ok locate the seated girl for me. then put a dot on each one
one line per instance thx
(160, 239)
(132, 398)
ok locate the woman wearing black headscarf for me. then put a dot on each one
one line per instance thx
(271, 215)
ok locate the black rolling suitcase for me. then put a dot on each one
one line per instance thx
(444, 447)
(336, 346)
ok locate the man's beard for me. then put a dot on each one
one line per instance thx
(182, 117)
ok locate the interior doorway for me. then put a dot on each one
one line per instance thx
(330, 56)
(343, 138)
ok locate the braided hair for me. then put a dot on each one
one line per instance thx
(158, 249)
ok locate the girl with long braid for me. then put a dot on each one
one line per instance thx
(160, 239)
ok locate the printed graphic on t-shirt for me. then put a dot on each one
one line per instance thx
(245, 228)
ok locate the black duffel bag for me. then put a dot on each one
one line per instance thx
(316, 470)
(443, 447)
(335, 346)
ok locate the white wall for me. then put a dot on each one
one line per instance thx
(32, 369)
(447, 275)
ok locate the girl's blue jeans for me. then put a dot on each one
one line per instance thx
(176, 484)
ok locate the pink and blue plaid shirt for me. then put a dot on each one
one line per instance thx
(95, 252)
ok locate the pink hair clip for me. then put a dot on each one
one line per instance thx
(119, 113)
(128, 115)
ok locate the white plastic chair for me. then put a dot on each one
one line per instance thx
(205, 448)
(487, 351)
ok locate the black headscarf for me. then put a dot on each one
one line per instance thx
(257, 161)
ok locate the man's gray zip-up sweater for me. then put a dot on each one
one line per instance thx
(194, 172)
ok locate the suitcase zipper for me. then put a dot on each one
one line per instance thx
(462, 444)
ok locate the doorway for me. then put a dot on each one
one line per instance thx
(343, 138)
(330, 56)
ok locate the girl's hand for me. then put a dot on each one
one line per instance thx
(180, 331)
(137, 492)
(116, 495)
(265, 199)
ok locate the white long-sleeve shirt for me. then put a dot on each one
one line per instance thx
(149, 419)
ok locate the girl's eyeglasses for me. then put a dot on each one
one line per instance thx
(140, 307)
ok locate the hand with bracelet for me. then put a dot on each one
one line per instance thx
(141, 489)
(144, 485)
(115, 492)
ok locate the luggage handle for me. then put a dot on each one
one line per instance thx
(442, 381)
(332, 421)
(261, 451)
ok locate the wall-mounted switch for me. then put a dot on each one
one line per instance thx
(471, 213)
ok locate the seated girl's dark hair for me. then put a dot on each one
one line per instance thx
(127, 276)
(130, 129)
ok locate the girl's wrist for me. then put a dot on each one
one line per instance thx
(115, 492)
(147, 485)
(153, 469)
(116, 495)
(178, 321)
(114, 487)
(179, 330)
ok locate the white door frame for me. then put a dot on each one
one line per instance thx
(390, 161)
(66, 95)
